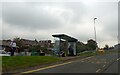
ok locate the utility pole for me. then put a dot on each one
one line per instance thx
(95, 32)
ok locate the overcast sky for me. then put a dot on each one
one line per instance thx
(40, 20)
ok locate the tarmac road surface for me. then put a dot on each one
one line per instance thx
(107, 63)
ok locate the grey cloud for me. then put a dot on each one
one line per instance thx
(26, 14)
(79, 10)
(55, 17)
(119, 22)
(22, 15)
(107, 14)
(0, 10)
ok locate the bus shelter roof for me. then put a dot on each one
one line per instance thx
(65, 37)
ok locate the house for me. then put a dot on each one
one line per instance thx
(45, 43)
(26, 42)
(6, 42)
(0, 44)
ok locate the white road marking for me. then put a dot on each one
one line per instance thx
(103, 65)
(118, 59)
(98, 70)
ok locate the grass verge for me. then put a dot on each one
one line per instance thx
(97, 53)
(88, 54)
(19, 62)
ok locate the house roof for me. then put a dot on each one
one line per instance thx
(65, 37)
(28, 40)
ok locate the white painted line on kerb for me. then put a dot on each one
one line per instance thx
(87, 58)
(82, 61)
(98, 70)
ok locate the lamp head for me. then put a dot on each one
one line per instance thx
(95, 18)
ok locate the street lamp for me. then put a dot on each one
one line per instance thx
(95, 32)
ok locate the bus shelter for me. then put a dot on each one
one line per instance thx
(66, 44)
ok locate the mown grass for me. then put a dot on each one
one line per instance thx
(19, 62)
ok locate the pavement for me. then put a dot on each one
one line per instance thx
(107, 63)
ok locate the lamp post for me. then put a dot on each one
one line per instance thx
(95, 32)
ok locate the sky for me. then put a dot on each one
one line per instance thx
(39, 20)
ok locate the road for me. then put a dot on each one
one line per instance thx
(107, 63)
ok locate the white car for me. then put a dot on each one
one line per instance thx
(3, 53)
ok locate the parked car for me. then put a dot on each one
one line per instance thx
(3, 53)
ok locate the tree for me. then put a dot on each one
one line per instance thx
(18, 42)
(91, 44)
(106, 47)
(81, 47)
